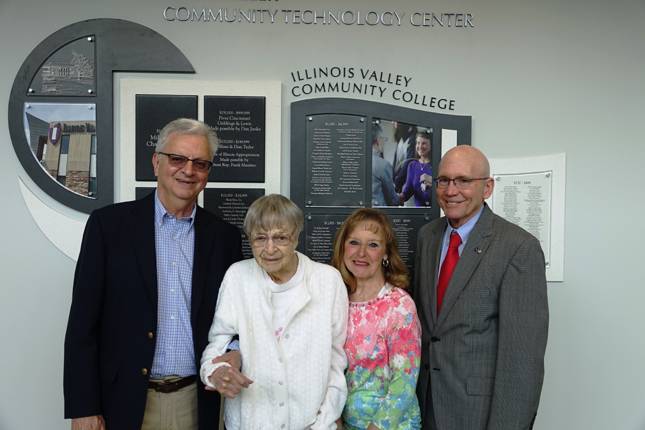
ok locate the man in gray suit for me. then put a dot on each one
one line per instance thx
(482, 302)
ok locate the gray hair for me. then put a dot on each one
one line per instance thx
(273, 211)
(183, 126)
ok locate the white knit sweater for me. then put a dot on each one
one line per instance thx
(298, 381)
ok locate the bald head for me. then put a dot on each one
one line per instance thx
(466, 155)
(461, 200)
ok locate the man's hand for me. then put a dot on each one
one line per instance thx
(426, 181)
(401, 199)
(95, 422)
(234, 358)
(229, 381)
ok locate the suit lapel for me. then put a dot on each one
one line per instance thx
(144, 244)
(434, 255)
(471, 256)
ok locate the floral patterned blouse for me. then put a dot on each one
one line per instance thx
(383, 348)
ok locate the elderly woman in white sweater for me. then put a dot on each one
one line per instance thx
(290, 314)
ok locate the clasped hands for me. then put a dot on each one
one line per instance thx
(228, 380)
(426, 181)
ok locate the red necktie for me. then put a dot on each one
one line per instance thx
(448, 266)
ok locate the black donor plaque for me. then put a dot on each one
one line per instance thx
(240, 126)
(335, 154)
(406, 228)
(231, 205)
(141, 192)
(320, 231)
(343, 154)
(153, 112)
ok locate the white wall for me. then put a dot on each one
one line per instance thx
(537, 78)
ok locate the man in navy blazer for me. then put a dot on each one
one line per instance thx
(484, 335)
(145, 287)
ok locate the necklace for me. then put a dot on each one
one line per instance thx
(365, 295)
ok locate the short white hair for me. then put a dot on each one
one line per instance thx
(183, 126)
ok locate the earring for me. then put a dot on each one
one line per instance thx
(385, 262)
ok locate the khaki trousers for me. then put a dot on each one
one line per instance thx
(171, 411)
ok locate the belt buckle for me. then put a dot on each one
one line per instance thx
(166, 387)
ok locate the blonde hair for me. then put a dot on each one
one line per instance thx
(395, 273)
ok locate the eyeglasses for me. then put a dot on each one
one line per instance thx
(461, 183)
(261, 240)
(179, 161)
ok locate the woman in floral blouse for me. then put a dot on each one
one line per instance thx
(383, 343)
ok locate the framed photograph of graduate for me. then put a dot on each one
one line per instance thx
(401, 164)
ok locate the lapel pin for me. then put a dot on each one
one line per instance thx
(478, 250)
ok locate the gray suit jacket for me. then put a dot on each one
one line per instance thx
(383, 193)
(482, 361)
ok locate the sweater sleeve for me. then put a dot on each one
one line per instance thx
(408, 187)
(222, 330)
(336, 395)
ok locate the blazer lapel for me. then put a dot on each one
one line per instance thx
(204, 241)
(144, 244)
(471, 256)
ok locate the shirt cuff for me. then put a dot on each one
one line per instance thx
(233, 345)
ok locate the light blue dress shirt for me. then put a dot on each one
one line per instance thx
(175, 246)
(463, 231)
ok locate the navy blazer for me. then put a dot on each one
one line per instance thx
(112, 327)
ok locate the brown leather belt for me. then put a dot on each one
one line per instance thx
(163, 386)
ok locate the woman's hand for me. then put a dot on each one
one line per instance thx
(234, 358)
(426, 181)
(228, 381)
